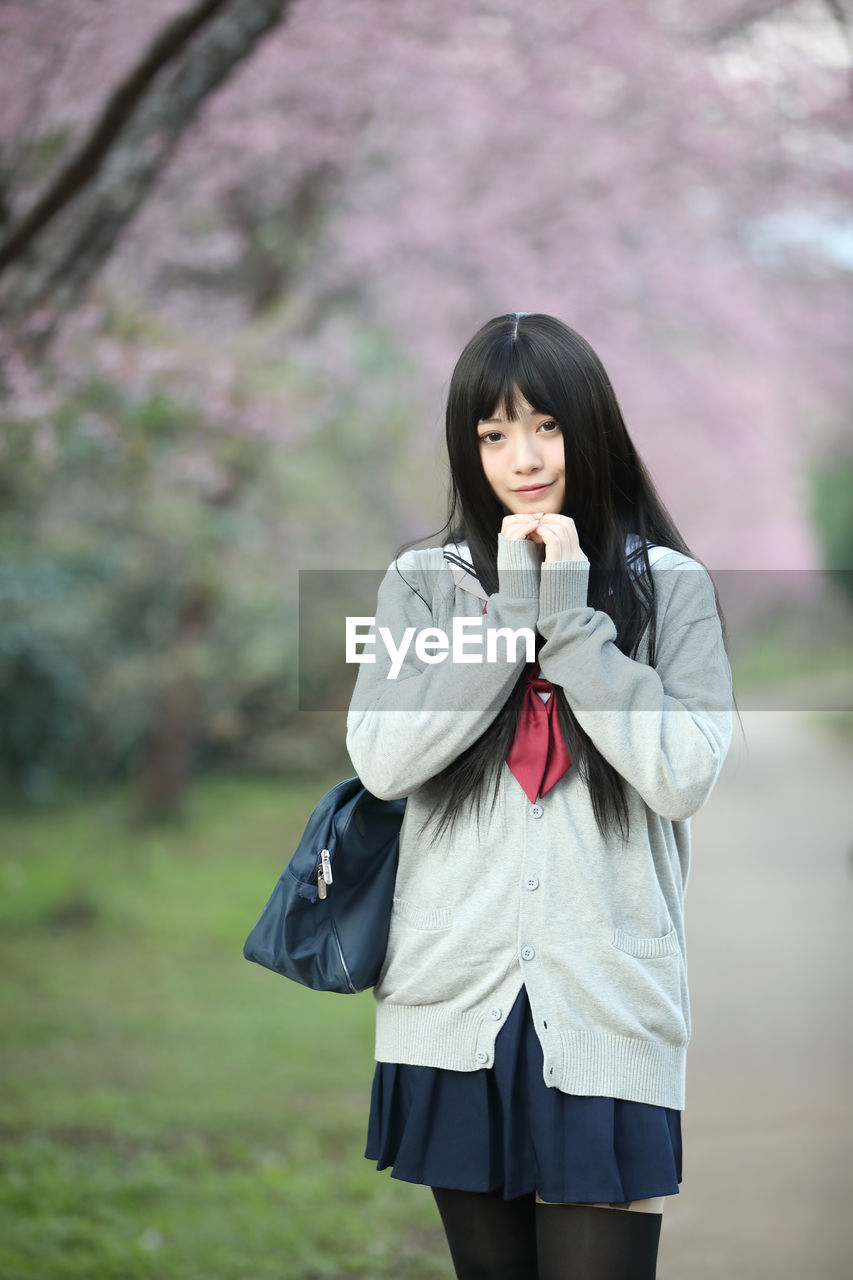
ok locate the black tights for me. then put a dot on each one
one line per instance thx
(495, 1239)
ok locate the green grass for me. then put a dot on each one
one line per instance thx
(167, 1110)
(795, 653)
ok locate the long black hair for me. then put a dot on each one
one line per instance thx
(608, 493)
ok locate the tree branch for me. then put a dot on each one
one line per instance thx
(744, 18)
(64, 262)
(840, 12)
(85, 163)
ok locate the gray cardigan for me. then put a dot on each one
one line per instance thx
(531, 893)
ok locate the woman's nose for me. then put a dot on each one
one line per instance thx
(526, 456)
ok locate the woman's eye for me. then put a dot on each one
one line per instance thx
(549, 426)
(491, 437)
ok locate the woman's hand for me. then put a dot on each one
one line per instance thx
(560, 537)
(519, 527)
(555, 532)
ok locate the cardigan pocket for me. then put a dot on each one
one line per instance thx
(647, 984)
(645, 948)
(419, 963)
(427, 919)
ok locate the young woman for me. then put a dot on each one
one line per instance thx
(532, 1011)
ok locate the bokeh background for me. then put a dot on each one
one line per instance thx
(241, 245)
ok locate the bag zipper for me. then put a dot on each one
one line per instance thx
(324, 875)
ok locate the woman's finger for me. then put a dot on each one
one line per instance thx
(518, 527)
(560, 537)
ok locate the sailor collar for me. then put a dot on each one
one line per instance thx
(458, 557)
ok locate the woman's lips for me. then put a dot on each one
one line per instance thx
(534, 490)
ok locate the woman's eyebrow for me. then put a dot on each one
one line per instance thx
(534, 413)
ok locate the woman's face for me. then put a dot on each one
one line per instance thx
(523, 460)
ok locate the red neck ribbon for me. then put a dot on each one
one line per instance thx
(538, 757)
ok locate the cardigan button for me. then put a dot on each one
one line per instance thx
(527, 953)
(532, 882)
(536, 811)
(496, 1013)
(481, 1055)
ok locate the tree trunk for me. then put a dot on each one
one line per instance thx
(166, 769)
(87, 159)
(66, 253)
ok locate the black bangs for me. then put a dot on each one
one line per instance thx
(508, 374)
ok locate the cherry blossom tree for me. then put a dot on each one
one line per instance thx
(108, 175)
(674, 179)
(289, 229)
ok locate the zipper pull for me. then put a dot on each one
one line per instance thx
(326, 863)
(321, 882)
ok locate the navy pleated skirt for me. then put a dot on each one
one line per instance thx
(502, 1128)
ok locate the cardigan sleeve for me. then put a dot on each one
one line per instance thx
(410, 719)
(666, 729)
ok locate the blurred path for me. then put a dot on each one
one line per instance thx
(768, 1129)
